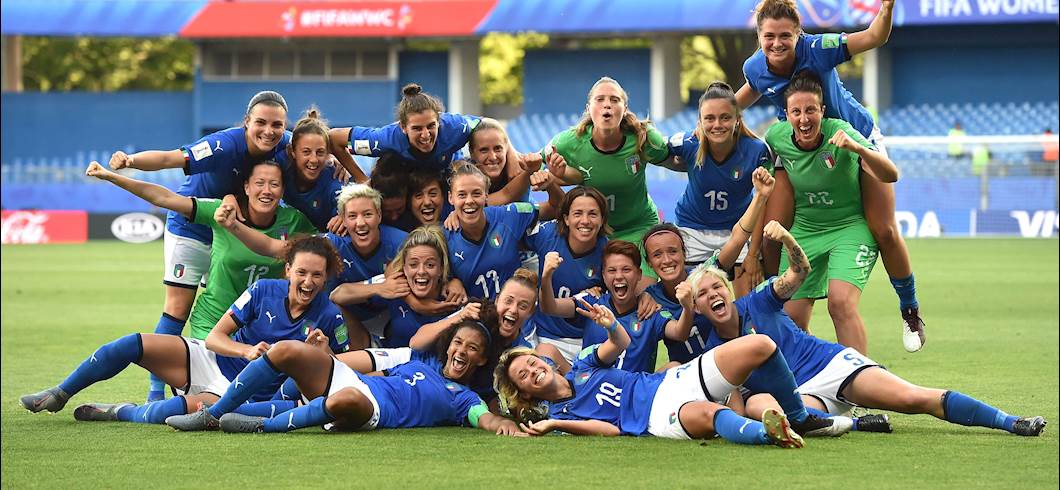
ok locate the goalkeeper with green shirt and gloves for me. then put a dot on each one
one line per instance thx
(233, 267)
(820, 163)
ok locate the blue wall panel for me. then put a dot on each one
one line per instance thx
(62, 124)
(557, 81)
(430, 69)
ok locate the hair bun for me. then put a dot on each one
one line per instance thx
(411, 90)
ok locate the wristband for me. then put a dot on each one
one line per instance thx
(613, 327)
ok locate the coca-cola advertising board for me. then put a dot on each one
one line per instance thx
(44, 227)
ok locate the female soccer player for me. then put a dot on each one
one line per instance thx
(608, 150)
(578, 235)
(418, 389)
(366, 247)
(621, 273)
(786, 51)
(831, 377)
(492, 153)
(720, 156)
(269, 311)
(421, 266)
(484, 250)
(424, 136)
(820, 162)
(312, 187)
(682, 403)
(664, 246)
(216, 165)
(233, 267)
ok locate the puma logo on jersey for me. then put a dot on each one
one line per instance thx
(771, 90)
(218, 147)
(349, 263)
(585, 170)
(270, 315)
(403, 311)
(459, 255)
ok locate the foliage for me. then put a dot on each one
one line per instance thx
(107, 64)
(501, 66)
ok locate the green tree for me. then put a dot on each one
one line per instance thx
(501, 66)
(107, 64)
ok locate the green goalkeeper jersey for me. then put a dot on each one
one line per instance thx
(233, 267)
(618, 175)
(825, 180)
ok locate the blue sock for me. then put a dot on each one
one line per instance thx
(819, 413)
(965, 410)
(288, 391)
(304, 416)
(776, 379)
(266, 409)
(168, 325)
(906, 289)
(154, 412)
(108, 360)
(256, 376)
(734, 428)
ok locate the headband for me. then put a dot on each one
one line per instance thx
(267, 96)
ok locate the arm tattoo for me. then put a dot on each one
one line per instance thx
(791, 280)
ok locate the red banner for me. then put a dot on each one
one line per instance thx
(44, 227)
(338, 19)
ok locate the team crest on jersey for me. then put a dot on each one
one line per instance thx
(633, 164)
(495, 240)
(283, 233)
(581, 378)
(590, 272)
(316, 204)
(309, 326)
(178, 271)
(636, 326)
(736, 174)
(827, 159)
(673, 417)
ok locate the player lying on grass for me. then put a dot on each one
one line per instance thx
(417, 389)
(681, 403)
(270, 311)
(831, 377)
(664, 247)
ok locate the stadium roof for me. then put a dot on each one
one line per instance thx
(442, 18)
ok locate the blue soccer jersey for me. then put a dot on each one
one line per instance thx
(763, 313)
(415, 394)
(644, 335)
(819, 53)
(578, 273)
(216, 165)
(319, 203)
(611, 395)
(483, 266)
(404, 322)
(262, 315)
(717, 193)
(696, 344)
(357, 268)
(453, 133)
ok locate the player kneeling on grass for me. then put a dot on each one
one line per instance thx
(831, 377)
(270, 311)
(418, 389)
(682, 403)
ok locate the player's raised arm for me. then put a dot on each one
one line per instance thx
(152, 193)
(617, 337)
(256, 241)
(746, 96)
(338, 138)
(550, 304)
(681, 328)
(744, 229)
(149, 160)
(876, 34)
(873, 162)
(799, 265)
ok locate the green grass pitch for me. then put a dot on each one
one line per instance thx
(991, 312)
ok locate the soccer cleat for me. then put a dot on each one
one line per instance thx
(99, 412)
(840, 425)
(912, 330)
(51, 399)
(779, 431)
(873, 423)
(814, 426)
(237, 422)
(1033, 426)
(197, 421)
